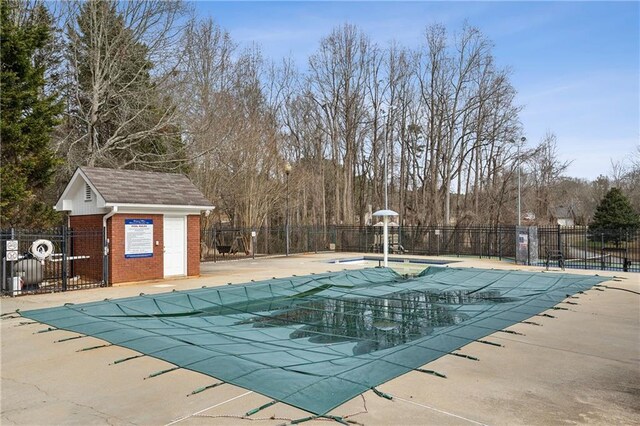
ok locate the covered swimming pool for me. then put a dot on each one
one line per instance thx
(317, 341)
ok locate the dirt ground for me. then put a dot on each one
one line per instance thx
(580, 367)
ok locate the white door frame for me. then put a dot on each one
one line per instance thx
(184, 252)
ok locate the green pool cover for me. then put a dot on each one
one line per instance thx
(317, 341)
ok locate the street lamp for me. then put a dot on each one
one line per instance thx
(523, 140)
(287, 170)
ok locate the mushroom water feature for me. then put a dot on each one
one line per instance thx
(386, 214)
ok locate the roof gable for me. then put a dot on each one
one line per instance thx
(134, 187)
(563, 212)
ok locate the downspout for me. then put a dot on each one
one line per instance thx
(105, 240)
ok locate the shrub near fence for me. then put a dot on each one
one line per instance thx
(75, 263)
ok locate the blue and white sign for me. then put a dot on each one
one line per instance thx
(138, 238)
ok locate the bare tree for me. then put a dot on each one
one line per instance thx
(121, 56)
(203, 86)
(338, 74)
(545, 170)
(469, 119)
(148, 92)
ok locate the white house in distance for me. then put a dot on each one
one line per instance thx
(564, 216)
(151, 221)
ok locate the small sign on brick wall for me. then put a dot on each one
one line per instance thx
(138, 238)
(12, 250)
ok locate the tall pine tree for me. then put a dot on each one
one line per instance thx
(27, 118)
(614, 217)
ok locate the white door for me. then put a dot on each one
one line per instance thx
(174, 246)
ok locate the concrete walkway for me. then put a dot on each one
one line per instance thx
(583, 366)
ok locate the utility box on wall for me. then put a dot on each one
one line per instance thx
(150, 220)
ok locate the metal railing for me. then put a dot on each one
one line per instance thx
(571, 247)
(430, 240)
(75, 261)
(585, 248)
(232, 243)
(223, 243)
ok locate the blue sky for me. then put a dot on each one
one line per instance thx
(576, 65)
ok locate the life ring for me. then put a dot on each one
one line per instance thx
(41, 249)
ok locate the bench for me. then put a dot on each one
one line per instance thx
(223, 249)
(626, 263)
(555, 255)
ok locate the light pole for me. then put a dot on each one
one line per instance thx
(384, 154)
(386, 213)
(384, 164)
(287, 170)
(523, 140)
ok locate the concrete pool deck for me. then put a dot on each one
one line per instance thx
(582, 366)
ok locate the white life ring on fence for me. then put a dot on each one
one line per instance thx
(41, 249)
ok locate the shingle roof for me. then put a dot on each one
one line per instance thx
(138, 187)
(562, 212)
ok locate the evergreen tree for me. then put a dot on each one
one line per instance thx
(27, 117)
(614, 217)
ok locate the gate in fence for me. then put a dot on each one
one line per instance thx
(45, 261)
(585, 248)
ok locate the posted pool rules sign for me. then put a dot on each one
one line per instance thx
(138, 238)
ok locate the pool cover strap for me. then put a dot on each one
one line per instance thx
(317, 341)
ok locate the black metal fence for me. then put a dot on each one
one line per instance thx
(571, 247)
(430, 240)
(219, 244)
(76, 260)
(584, 248)
(64, 259)
(232, 243)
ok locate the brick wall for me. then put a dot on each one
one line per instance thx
(122, 269)
(85, 239)
(193, 245)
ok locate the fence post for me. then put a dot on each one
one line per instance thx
(457, 243)
(602, 251)
(105, 258)
(528, 246)
(63, 248)
(215, 245)
(586, 246)
(71, 253)
(254, 242)
(315, 238)
(625, 259)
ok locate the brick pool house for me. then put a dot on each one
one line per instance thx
(150, 220)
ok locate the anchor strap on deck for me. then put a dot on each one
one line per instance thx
(204, 388)
(382, 394)
(260, 408)
(432, 372)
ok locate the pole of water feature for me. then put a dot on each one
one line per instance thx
(385, 214)
(386, 240)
